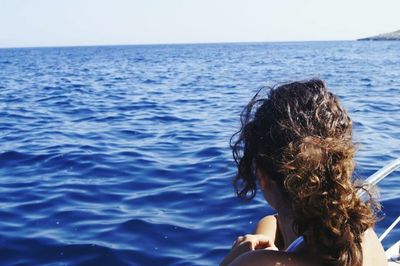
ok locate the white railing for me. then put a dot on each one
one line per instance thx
(378, 176)
(382, 173)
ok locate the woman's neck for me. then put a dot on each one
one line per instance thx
(286, 221)
(278, 200)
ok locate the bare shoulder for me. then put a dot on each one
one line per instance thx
(373, 252)
(269, 218)
(267, 225)
(273, 258)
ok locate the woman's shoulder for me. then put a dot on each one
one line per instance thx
(267, 224)
(272, 257)
(373, 252)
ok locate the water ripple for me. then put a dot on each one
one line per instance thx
(120, 156)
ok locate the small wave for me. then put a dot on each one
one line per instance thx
(77, 85)
(52, 98)
(151, 81)
(138, 106)
(15, 158)
(134, 134)
(171, 118)
(209, 152)
(365, 80)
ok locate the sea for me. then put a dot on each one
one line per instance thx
(119, 155)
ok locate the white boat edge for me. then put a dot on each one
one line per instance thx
(392, 254)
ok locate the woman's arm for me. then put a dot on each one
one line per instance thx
(269, 226)
(245, 244)
(263, 238)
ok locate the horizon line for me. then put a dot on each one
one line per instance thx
(156, 44)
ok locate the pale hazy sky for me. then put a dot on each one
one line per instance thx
(98, 22)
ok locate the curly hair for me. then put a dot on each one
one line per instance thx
(301, 137)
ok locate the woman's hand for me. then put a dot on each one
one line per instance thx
(247, 243)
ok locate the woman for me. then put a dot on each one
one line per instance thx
(296, 143)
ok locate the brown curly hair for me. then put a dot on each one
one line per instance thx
(301, 137)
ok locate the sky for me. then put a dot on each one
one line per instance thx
(32, 23)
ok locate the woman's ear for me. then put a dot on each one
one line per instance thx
(261, 179)
(263, 183)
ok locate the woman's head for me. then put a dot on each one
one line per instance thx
(295, 121)
(300, 137)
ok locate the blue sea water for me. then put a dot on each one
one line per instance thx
(119, 155)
